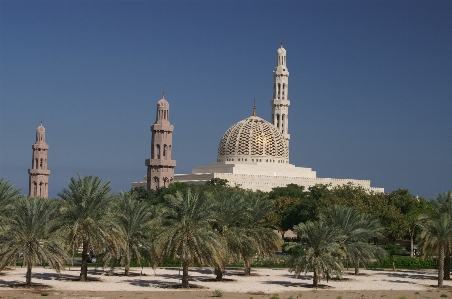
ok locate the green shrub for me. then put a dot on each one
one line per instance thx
(405, 263)
(218, 293)
(274, 296)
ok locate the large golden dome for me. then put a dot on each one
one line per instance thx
(253, 140)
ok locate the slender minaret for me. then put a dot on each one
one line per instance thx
(280, 103)
(160, 166)
(39, 174)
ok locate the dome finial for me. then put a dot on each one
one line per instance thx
(254, 110)
(163, 92)
(41, 120)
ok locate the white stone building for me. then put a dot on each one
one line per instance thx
(254, 154)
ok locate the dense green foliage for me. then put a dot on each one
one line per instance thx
(405, 263)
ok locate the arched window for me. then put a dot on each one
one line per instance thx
(165, 148)
(158, 151)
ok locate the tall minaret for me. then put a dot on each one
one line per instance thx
(39, 174)
(160, 166)
(280, 103)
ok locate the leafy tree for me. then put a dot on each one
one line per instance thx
(320, 248)
(217, 182)
(32, 232)
(355, 229)
(187, 232)
(281, 207)
(411, 207)
(291, 190)
(172, 189)
(304, 205)
(144, 194)
(88, 220)
(135, 219)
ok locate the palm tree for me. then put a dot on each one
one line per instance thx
(258, 237)
(88, 220)
(443, 205)
(187, 232)
(32, 232)
(230, 212)
(135, 218)
(356, 229)
(435, 235)
(8, 194)
(318, 250)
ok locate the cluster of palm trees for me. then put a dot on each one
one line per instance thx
(195, 228)
(204, 226)
(340, 234)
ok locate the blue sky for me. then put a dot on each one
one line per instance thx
(370, 85)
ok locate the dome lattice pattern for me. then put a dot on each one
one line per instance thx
(253, 136)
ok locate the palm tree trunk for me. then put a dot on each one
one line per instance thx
(28, 275)
(219, 274)
(447, 262)
(441, 266)
(412, 244)
(315, 280)
(84, 268)
(356, 265)
(247, 267)
(127, 267)
(185, 274)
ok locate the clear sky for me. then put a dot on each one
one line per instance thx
(370, 85)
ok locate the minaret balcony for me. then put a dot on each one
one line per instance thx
(39, 171)
(164, 162)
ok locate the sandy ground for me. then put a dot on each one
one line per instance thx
(262, 284)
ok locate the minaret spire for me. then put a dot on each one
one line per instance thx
(254, 110)
(280, 103)
(160, 166)
(38, 173)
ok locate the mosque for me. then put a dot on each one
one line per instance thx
(252, 154)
